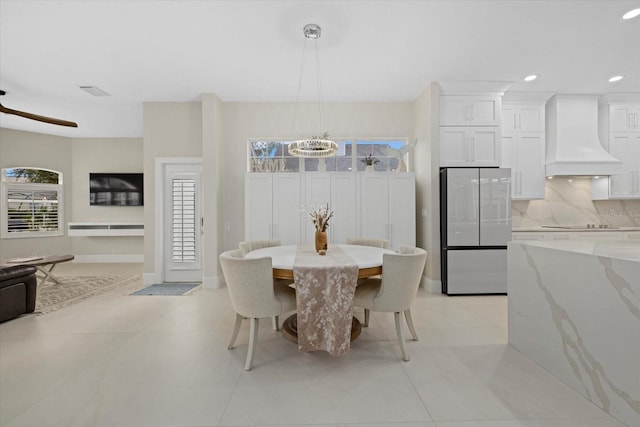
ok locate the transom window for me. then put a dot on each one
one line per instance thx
(381, 154)
(34, 203)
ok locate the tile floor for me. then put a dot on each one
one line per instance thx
(120, 360)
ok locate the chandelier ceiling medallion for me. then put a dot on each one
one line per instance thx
(316, 146)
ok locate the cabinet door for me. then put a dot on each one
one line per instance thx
(470, 110)
(597, 235)
(374, 205)
(631, 235)
(623, 117)
(258, 220)
(484, 146)
(509, 119)
(530, 118)
(484, 110)
(286, 208)
(454, 110)
(530, 166)
(402, 210)
(343, 203)
(621, 146)
(454, 147)
(526, 235)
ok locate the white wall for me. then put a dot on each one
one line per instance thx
(426, 163)
(171, 129)
(104, 155)
(18, 148)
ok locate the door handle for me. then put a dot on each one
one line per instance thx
(473, 148)
(466, 113)
(520, 180)
(473, 112)
(466, 149)
(519, 121)
(515, 126)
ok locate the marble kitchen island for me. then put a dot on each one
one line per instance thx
(574, 309)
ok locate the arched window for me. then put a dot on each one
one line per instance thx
(34, 202)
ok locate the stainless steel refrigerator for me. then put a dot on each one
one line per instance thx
(475, 226)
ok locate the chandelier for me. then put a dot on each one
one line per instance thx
(315, 146)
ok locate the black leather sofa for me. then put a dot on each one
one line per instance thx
(17, 291)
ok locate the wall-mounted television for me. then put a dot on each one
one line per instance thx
(116, 189)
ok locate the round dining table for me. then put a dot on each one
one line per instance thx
(368, 259)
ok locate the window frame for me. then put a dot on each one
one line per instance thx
(355, 158)
(7, 187)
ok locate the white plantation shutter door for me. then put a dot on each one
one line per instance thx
(184, 227)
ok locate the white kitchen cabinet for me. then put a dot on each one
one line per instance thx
(524, 154)
(600, 235)
(526, 236)
(387, 207)
(522, 118)
(272, 207)
(338, 189)
(626, 147)
(469, 146)
(624, 117)
(631, 235)
(597, 235)
(470, 110)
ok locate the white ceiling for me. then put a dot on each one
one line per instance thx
(378, 51)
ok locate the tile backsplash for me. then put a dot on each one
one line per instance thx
(568, 202)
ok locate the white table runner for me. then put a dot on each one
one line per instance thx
(324, 291)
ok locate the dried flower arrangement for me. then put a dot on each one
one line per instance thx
(320, 217)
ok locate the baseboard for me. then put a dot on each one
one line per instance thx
(430, 285)
(150, 278)
(136, 258)
(212, 282)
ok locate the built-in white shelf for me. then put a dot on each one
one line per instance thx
(108, 229)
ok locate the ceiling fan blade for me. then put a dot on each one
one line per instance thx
(37, 117)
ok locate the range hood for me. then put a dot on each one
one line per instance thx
(573, 146)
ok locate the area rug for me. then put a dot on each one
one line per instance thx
(53, 296)
(174, 289)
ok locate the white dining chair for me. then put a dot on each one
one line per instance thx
(252, 245)
(395, 291)
(377, 243)
(253, 294)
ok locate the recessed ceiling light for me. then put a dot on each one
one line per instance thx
(530, 78)
(615, 79)
(631, 14)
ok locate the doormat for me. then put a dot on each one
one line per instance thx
(166, 289)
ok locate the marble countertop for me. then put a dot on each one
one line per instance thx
(545, 229)
(618, 249)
